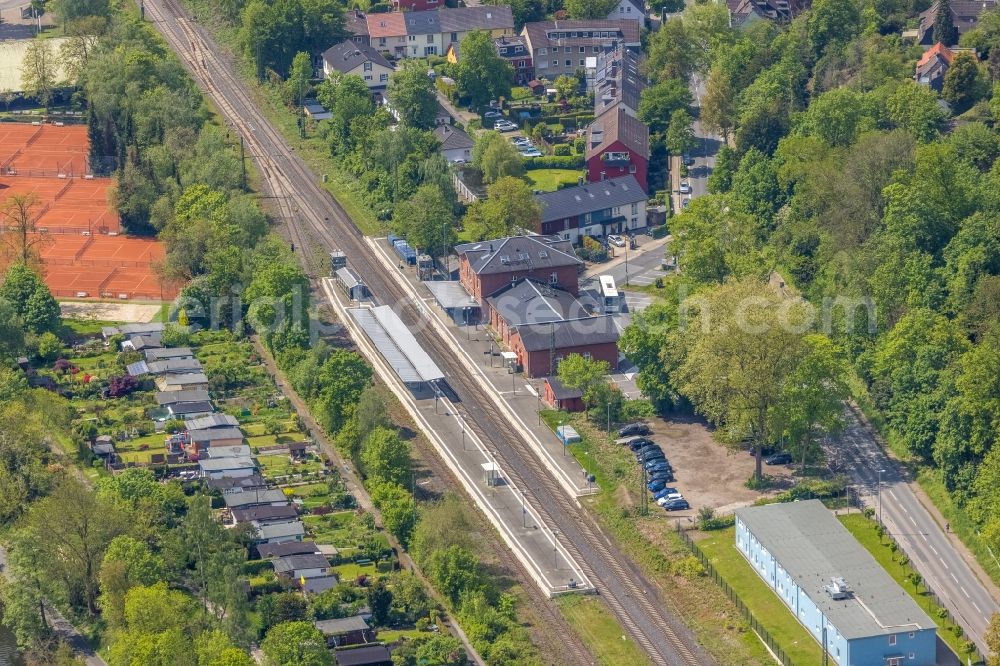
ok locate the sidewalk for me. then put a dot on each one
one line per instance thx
(512, 393)
(537, 546)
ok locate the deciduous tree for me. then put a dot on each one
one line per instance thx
(411, 94)
(509, 206)
(482, 75)
(39, 71)
(385, 456)
(496, 157)
(296, 644)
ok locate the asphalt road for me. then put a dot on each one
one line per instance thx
(308, 209)
(924, 541)
(708, 146)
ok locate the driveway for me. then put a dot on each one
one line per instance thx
(961, 585)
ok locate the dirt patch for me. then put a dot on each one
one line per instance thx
(708, 473)
(128, 313)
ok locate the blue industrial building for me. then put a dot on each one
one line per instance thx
(834, 586)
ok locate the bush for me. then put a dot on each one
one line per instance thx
(580, 145)
(688, 567)
(658, 232)
(563, 150)
(555, 162)
(254, 567)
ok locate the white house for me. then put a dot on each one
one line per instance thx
(628, 9)
(359, 59)
(456, 145)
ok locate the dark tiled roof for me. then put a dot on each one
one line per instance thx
(617, 125)
(173, 397)
(422, 23)
(356, 23)
(214, 434)
(264, 513)
(530, 302)
(363, 656)
(288, 563)
(340, 626)
(538, 33)
(965, 13)
(212, 421)
(617, 79)
(488, 17)
(346, 56)
(452, 138)
(514, 253)
(561, 391)
(160, 354)
(252, 481)
(267, 550)
(196, 407)
(572, 333)
(590, 197)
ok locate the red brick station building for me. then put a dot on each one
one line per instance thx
(527, 288)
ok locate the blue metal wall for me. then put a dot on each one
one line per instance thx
(871, 651)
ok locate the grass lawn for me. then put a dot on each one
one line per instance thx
(549, 180)
(397, 635)
(87, 327)
(769, 610)
(280, 465)
(350, 571)
(599, 630)
(333, 529)
(863, 530)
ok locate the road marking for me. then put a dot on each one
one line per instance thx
(923, 536)
(892, 494)
(963, 591)
(935, 551)
(911, 520)
(953, 576)
(978, 609)
(946, 566)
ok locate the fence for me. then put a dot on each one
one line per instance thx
(762, 633)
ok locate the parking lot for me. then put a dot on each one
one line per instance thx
(707, 473)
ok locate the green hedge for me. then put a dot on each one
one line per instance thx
(658, 232)
(554, 162)
(254, 567)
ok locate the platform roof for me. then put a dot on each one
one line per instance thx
(451, 295)
(396, 344)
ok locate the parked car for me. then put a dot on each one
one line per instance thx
(530, 152)
(521, 141)
(492, 114)
(640, 443)
(658, 463)
(687, 159)
(616, 240)
(685, 187)
(778, 459)
(765, 451)
(666, 477)
(677, 505)
(656, 486)
(649, 452)
(685, 202)
(504, 126)
(652, 456)
(666, 491)
(633, 429)
(668, 498)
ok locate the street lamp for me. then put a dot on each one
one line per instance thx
(880, 472)
(626, 261)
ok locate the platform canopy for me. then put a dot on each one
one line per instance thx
(396, 344)
(451, 295)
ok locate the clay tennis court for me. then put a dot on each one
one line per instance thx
(43, 150)
(82, 253)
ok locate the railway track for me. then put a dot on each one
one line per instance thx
(311, 215)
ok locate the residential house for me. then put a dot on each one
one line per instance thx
(456, 145)
(361, 60)
(356, 25)
(167, 398)
(561, 397)
(319, 584)
(965, 16)
(432, 32)
(224, 468)
(173, 381)
(189, 410)
(267, 551)
(458, 22)
(130, 330)
(104, 447)
(743, 13)
(562, 47)
(629, 10)
(594, 209)
(301, 566)
(278, 532)
(516, 53)
(443, 116)
(211, 437)
(368, 655)
(227, 485)
(486, 266)
(833, 586)
(173, 365)
(217, 452)
(346, 631)
(933, 65)
(143, 342)
(166, 353)
(212, 421)
(254, 497)
(617, 145)
(616, 79)
(542, 325)
(264, 514)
